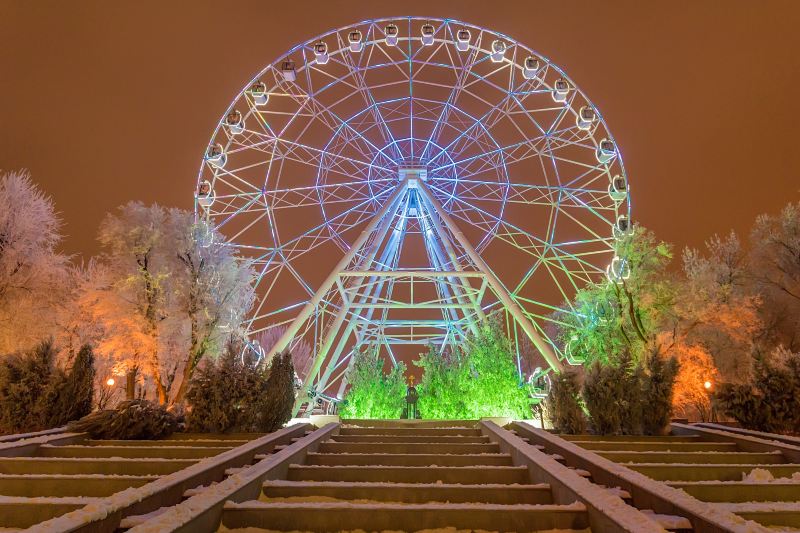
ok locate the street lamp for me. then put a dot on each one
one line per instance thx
(707, 385)
(110, 382)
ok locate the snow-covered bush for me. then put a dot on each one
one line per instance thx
(35, 394)
(235, 394)
(131, 420)
(563, 404)
(630, 398)
(70, 394)
(605, 393)
(772, 401)
(278, 402)
(659, 383)
(374, 393)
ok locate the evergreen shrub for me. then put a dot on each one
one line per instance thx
(374, 393)
(35, 394)
(563, 404)
(131, 420)
(236, 395)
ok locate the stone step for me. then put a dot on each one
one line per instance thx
(630, 438)
(774, 515)
(467, 475)
(406, 459)
(320, 516)
(212, 442)
(75, 485)
(669, 522)
(411, 438)
(410, 492)
(401, 431)
(675, 446)
(709, 472)
(409, 447)
(215, 436)
(740, 492)
(165, 452)
(694, 457)
(27, 512)
(107, 466)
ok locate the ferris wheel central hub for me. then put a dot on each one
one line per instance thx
(412, 173)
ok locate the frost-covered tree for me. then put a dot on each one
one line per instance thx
(774, 263)
(134, 302)
(212, 289)
(715, 310)
(166, 292)
(32, 271)
(302, 351)
(696, 367)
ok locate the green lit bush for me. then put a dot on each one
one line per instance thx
(479, 379)
(373, 393)
(442, 388)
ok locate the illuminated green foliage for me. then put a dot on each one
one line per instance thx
(479, 380)
(373, 393)
(610, 318)
(441, 390)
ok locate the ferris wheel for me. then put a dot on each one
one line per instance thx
(396, 181)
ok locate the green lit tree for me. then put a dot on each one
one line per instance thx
(374, 393)
(609, 318)
(442, 388)
(494, 387)
(479, 379)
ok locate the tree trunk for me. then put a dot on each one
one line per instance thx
(130, 383)
(186, 376)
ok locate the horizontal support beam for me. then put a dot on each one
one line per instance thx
(412, 273)
(399, 305)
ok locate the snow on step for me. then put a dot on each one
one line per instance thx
(670, 522)
(708, 472)
(331, 446)
(153, 451)
(410, 492)
(410, 438)
(676, 446)
(403, 431)
(181, 443)
(739, 491)
(90, 485)
(81, 465)
(710, 457)
(410, 459)
(18, 512)
(469, 475)
(318, 515)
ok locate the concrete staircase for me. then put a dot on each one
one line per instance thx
(406, 477)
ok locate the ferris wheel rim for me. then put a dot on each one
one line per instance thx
(507, 184)
(575, 86)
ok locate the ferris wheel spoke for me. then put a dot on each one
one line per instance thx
(328, 230)
(534, 245)
(324, 114)
(461, 78)
(479, 123)
(365, 92)
(329, 193)
(522, 193)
